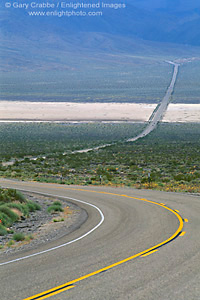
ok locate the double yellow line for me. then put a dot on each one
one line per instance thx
(70, 284)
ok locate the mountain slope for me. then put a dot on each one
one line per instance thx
(144, 27)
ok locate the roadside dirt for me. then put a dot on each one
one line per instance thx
(42, 227)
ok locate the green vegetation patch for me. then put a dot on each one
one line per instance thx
(126, 79)
(13, 217)
(19, 140)
(187, 86)
(10, 243)
(3, 230)
(12, 202)
(10, 195)
(58, 220)
(167, 159)
(55, 207)
(19, 236)
(33, 206)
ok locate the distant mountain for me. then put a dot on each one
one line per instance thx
(156, 20)
(166, 5)
(174, 21)
(150, 26)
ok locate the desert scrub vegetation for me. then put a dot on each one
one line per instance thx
(187, 86)
(131, 80)
(58, 220)
(19, 140)
(13, 206)
(167, 159)
(55, 207)
(18, 236)
(10, 195)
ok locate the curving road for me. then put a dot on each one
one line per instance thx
(123, 258)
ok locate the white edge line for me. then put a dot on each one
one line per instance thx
(65, 244)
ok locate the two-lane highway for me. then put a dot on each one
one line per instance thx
(161, 108)
(142, 249)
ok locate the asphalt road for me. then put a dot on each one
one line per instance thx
(161, 108)
(131, 226)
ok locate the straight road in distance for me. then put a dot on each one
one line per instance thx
(156, 116)
(161, 108)
(131, 226)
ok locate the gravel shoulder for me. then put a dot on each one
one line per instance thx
(41, 225)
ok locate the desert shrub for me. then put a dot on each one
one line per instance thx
(28, 238)
(54, 208)
(6, 210)
(32, 206)
(9, 195)
(18, 236)
(4, 197)
(21, 207)
(3, 230)
(20, 197)
(10, 243)
(57, 203)
(58, 220)
(7, 216)
(5, 220)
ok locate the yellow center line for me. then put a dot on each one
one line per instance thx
(48, 294)
(186, 220)
(182, 233)
(62, 288)
(149, 253)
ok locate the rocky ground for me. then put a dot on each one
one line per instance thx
(41, 225)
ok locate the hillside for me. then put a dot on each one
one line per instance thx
(119, 56)
(29, 42)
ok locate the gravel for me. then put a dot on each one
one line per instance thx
(40, 224)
